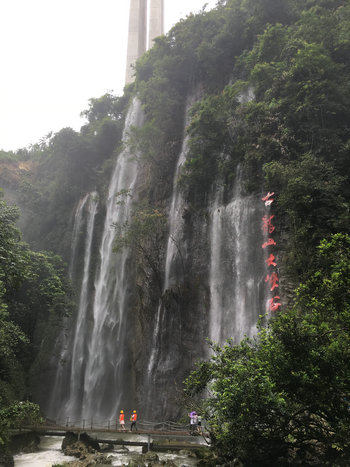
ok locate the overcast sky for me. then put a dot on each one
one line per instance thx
(57, 54)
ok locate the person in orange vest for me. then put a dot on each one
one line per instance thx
(133, 419)
(122, 420)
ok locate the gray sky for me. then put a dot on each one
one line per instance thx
(56, 54)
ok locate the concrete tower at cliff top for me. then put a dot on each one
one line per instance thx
(137, 40)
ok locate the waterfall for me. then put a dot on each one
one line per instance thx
(221, 296)
(78, 351)
(174, 255)
(173, 258)
(105, 378)
(237, 268)
(69, 365)
(166, 336)
(154, 350)
(77, 226)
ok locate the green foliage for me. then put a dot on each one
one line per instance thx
(16, 416)
(12, 261)
(200, 50)
(283, 398)
(301, 90)
(34, 297)
(285, 118)
(106, 116)
(44, 297)
(148, 145)
(212, 131)
(144, 233)
(272, 393)
(12, 341)
(312, 203)
(63, 166)
(204, 52)
(106, 106)
(7, 156)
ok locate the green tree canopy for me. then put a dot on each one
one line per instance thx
(283, 397)
(34, 297)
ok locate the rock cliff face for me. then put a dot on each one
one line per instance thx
(144, 314)
(138, 331)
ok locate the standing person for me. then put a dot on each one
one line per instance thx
(199, 428)
(191, 415)
(122, 420)
(133, 419)
(195, 422)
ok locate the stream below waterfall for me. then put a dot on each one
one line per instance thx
(50, 453)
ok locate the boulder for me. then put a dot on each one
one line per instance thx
(77, 449)
(170, 463)
(150, 457)
(137, 461)
(6, 460)
(95, 460)
(24, 442)
(84, 445)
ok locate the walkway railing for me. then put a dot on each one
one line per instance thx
(112, 424)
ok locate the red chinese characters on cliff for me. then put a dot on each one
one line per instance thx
(272, 278)
(267, 198)
(270, 261)
(273, 306)
(267, 226)
(269, 242)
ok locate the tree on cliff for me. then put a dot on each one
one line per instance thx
(284, 396)
(144, 233)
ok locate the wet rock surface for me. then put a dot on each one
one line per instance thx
(21, 442)
(6, 460)
(24, 442)
(79, 446)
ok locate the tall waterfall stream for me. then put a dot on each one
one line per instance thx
(237, 289)
(104, 376)
(173, 257)
(89, 383)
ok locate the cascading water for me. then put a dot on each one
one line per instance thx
(70, 362)
(105, 378)
(237, 268)
(236, 282)
(191, 308)
(77, 226)
(79, 345)
(176, 247)
(89, 383)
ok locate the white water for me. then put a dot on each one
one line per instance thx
(104, 362)
(173, 257)
(67, 367)
(154, 349)
(175, 246)
(236, 266)
(98, 382)
(50, 453)
(79, 345)
(78, 221)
